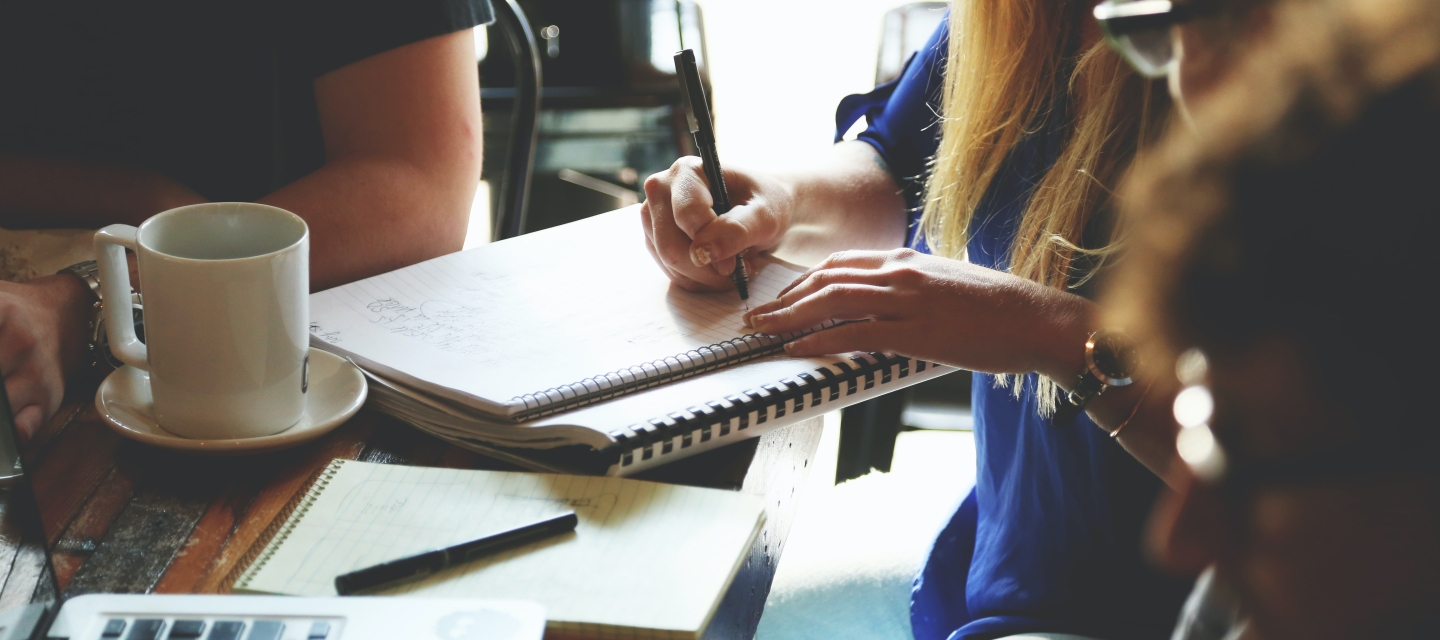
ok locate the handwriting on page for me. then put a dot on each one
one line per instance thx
(332, 337)
(487, 328)
(462, 321)
(448, 316)
(445, 325)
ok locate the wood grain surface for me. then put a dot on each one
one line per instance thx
(122, 517)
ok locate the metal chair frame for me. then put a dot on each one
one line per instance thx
(514, 197)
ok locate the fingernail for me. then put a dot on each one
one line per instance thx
(789, 347)
(700, 255)
(758, 322)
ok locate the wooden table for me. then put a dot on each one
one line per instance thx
(122, 517)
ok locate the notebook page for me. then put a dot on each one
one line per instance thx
(485, 326)
(644, 556)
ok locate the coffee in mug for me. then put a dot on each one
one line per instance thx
(226, 293)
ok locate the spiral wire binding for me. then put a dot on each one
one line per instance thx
(251, 565)
(704, 421)
(651, 374)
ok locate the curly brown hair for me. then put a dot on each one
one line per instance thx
(1305, 209)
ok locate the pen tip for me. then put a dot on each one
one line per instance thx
(741, 279)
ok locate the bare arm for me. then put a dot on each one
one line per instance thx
(41, 192)
(403, 147)
(1149, 434)
(846, 200)
(945, 310)
(402, 137)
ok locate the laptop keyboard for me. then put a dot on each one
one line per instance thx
(216, 629)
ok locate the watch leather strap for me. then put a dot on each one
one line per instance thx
(1087, 388)
(1105, 366)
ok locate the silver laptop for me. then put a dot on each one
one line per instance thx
(32, 607)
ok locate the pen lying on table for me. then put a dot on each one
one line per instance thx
(697, 116)
(423, 564)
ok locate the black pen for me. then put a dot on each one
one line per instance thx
(423, 564)
(697, 115)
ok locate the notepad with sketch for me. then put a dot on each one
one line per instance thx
(573, 336)
(647, 559)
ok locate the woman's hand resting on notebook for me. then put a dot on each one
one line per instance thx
(932, 308)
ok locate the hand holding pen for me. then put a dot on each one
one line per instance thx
(697, 116)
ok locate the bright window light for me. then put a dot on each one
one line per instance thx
(478, 232)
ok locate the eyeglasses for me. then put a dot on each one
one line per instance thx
(1139, 30)
(1235, 475)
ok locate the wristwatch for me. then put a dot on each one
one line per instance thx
(98, 356)
(1110, 361)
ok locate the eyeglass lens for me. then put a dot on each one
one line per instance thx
(1151, 52)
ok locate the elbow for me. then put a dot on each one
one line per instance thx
(449, 181)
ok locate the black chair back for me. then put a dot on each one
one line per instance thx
(514, 197)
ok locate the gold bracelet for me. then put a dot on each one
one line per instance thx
(1146, 392)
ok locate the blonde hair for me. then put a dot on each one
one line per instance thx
(1005, 64)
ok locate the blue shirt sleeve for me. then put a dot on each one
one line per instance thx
(903, 116)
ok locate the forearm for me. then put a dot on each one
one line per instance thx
(41, 192)
(372, 215)
(848, 201)
(1150, 436)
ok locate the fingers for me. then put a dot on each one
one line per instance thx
(28, 421)
(834, 302)
(855, 336)
(717, 243)
(36, 322)
(33, 381)
(814, 281)
(32, 400)
(679, 192)
(680, 279)
(690, 196)
(843, 259)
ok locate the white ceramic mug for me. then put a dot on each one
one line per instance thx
(226, 290)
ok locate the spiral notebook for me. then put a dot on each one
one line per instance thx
(647, 560)
(572, 340)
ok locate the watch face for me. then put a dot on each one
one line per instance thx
(1115, 357)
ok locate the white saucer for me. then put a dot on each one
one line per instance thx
(337, 389)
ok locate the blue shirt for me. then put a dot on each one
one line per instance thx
(1049, 539)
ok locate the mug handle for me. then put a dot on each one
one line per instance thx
(110, 245)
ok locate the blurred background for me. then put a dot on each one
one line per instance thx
(776, 71)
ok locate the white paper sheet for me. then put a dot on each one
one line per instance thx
(644, 556)
(488, 325)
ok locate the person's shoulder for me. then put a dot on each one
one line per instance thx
(335, 33)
